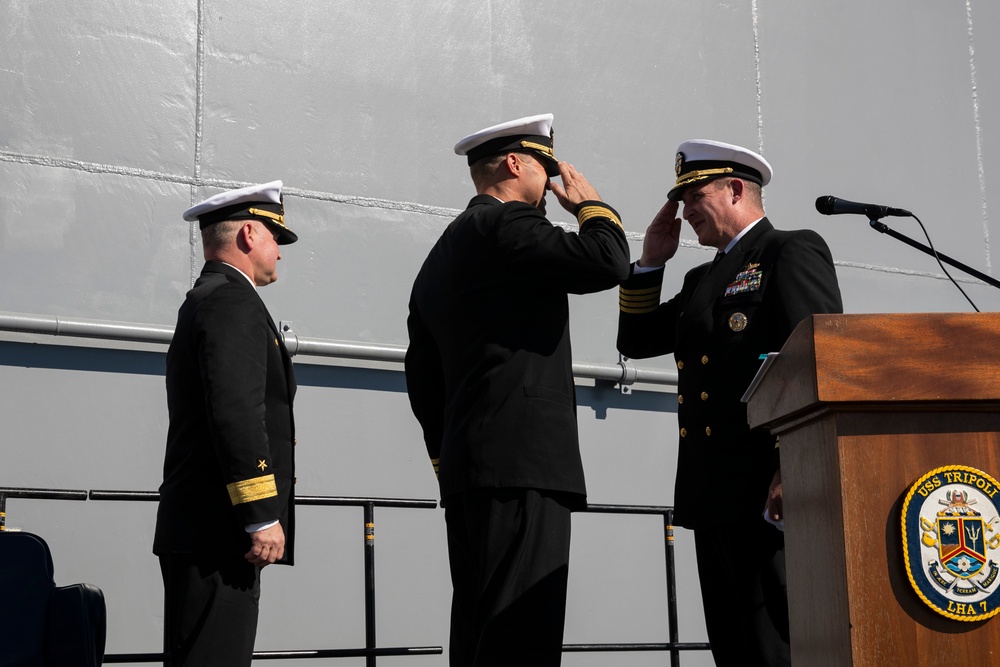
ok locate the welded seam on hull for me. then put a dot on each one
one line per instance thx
(906, 272)
(349, 200)
(756, 63)
(199, 110)
(162, 177)
(199, 115)
(979, 136)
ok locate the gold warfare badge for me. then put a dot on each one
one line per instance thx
(951, 542)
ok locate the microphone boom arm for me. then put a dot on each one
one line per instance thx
(883, 228)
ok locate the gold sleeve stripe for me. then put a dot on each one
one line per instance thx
(588, 212)
(249, 490)
(638, 301)
(625, 300)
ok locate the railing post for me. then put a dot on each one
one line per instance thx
(668, 529)
(370, 643)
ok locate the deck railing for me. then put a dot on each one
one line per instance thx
(624, 373)
(371, 651)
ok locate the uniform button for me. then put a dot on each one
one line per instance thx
(704, 395)
(680, 399)
(704, 360)
(295, 480)
(684, 432)
(708, 430)
(295, 442)
(680, 365)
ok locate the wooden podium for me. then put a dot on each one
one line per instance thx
(865, 405)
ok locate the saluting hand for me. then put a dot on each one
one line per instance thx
(266, 546)
(574, 189)
(662, 238)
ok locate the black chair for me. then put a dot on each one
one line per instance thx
(41, 624)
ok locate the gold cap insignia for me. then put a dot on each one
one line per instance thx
(679, 164)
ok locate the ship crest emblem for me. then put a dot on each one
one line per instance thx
(951, 543)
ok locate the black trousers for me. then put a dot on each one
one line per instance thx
(509, 556)
(210, 610)
(741, 567)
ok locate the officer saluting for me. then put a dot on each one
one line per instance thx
(727, 314)
(489, 376)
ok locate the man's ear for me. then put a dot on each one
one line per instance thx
(736, 185)
(513, 163)
(246, 236)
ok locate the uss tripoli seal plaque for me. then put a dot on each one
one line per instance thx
(951, 542)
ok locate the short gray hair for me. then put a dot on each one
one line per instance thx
(484, 170)
(217, 236)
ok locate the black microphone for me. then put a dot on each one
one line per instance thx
(830, 205)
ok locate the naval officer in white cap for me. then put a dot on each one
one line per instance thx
(727, 314)
(226, 502)
(489, 376)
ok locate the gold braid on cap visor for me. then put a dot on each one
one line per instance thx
(547, 150)
(693, 176)
(280, 219)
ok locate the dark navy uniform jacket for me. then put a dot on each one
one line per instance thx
(724, 318)
(489, 365)
(229, 459)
